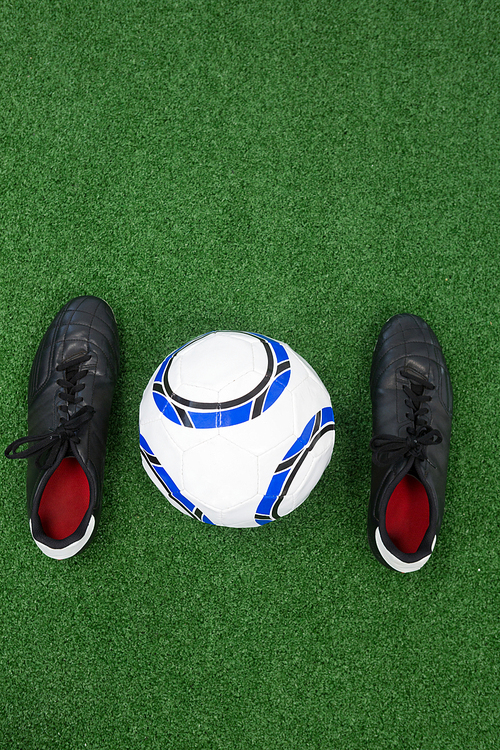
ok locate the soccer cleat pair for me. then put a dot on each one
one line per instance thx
(69, 401)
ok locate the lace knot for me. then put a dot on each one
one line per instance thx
(54, 443)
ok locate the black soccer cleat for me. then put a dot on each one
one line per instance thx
(69, 402)
(412, 409)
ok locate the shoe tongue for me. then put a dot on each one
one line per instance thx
(405, 465)
(413, 471)
(71, 371)
(70, 453)
(417, 471)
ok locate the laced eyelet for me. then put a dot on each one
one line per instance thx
(389, 448)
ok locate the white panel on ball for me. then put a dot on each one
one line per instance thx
(236, 429)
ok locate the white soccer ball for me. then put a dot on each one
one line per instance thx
(236, 429)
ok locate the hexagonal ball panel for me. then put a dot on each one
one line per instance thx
(218, 474)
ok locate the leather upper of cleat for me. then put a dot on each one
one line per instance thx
(69, 402)
(412, 348)
(85, 326)
(412, 410)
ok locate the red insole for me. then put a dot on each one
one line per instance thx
(407, 515)
(65, 500)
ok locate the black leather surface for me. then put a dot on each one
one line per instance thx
(84, 325)
(407, 343)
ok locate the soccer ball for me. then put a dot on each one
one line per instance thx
(236, 429)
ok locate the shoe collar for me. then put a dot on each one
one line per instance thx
(402, 561)
(41, 482)
(394, 558)
(62, 549)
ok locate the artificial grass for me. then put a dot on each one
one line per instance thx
(304, 170)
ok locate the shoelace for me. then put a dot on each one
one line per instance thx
(389, 448)
(56, 442)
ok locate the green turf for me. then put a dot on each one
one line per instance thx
(305, 170)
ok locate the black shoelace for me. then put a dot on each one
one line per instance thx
(389, 448)
(56, 442)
